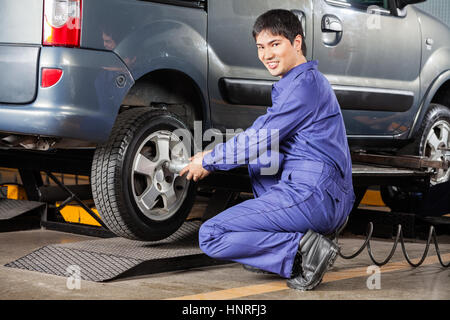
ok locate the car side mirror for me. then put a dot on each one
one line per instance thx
(403, 3)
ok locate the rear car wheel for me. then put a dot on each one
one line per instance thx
(433, 139)
(135, 194)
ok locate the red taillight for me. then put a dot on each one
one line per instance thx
(50, 76)
(62, 23)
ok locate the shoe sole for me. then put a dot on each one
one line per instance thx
(257, 271)
(331, 260)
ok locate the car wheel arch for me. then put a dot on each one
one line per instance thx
(155, 89)
(440, 84)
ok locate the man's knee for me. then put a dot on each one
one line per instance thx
(205, 233)
(208, 238)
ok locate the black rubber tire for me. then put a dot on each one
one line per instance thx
(436, 112)
(399, 199)
(111, 172)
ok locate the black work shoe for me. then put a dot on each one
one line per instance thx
(297, 266)
(255, 270)
(318, 255)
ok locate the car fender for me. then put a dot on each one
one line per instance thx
(428, 96)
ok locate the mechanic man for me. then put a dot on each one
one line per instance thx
(282, 229)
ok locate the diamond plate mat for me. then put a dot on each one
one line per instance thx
(108, 259)
(10, 208)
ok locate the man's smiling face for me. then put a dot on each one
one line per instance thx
(278, 54)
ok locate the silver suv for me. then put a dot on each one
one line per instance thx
(117, 77)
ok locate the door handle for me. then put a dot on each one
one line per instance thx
(331, 23)
(331, 30)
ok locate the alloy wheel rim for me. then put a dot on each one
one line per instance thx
(158, 192)
(437, 140)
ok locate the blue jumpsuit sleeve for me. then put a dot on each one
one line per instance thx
(293, 110)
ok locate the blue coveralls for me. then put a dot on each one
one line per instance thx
(312, 190)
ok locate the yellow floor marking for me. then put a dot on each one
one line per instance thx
(281, 285)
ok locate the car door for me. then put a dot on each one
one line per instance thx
(238, 83)
(371, 56)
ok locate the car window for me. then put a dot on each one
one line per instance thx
(364, 4)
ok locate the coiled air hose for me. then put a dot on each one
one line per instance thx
(398, 237)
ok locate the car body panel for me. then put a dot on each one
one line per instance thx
(382, 78)
(82, 105)
(21, 21)
(378, 90)
(19, 72)
(150, 36)
(20, 39)
(435, 62)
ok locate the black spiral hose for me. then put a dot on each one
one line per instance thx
(398, 237)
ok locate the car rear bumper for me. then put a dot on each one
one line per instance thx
(82, 105)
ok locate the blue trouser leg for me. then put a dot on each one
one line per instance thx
(249, 234)
(265, 232)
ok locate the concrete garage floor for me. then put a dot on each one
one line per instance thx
(348, 279)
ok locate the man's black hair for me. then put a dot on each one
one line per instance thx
(280, 22)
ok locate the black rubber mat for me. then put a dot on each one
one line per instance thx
(12, 208)
(108, 259)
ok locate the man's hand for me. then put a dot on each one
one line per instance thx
(195, 168)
